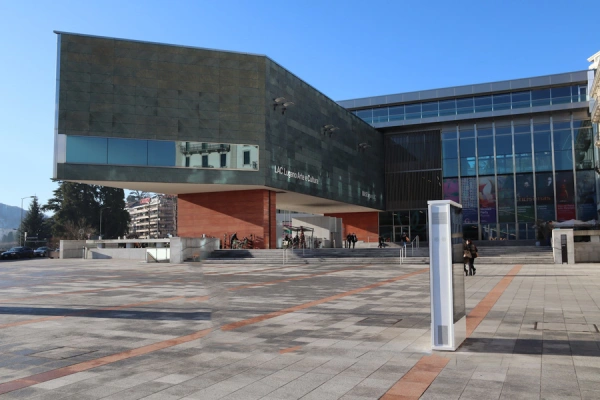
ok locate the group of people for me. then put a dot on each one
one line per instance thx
(298, 242)
(351, 240)
(235, 243)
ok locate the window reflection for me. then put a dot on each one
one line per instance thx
(216, 155)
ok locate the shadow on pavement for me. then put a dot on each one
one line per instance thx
(94, 313)
(589, 348)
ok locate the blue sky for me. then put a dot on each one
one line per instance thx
(346, 49)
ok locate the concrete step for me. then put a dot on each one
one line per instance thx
(341, 261)
(487, 255)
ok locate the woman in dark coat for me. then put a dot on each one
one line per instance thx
(470, 249)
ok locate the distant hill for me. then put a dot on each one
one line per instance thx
(10, 216)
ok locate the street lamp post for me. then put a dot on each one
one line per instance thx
(21, 222)
(103, 208)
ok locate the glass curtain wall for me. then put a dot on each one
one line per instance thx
(393, 224)
(512, 175)
(477, 104)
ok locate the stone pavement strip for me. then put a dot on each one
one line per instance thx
(110, 329)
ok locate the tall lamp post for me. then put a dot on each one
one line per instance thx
(103, 208)
(21, 222)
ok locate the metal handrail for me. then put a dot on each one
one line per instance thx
(416, 239)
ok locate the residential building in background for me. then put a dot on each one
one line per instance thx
(153, 217)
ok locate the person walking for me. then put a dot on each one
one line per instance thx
(470, 254)
(348, 240)
(354, 240)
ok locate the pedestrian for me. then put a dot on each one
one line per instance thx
(470, 254)
(405, 239)
(380, 242)
(354, 240)
(348, 240)
(233, 241)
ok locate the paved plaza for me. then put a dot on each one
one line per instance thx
(114, 329)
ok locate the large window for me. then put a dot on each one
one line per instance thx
(542, 139)
(476, 104)
(159, 153)
(485, 151)
(467, 152)
(504, 149)
(523, 157)
(449, 154)
(563, 147)
(584, 144)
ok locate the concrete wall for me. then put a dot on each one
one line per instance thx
(577, 252)
(117, 253)
(586, 252)
(183, 248)
(72, 248)
(556, 245)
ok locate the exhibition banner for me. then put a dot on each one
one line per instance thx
(487, 199)
(544, 187)
(469, 200)
(450, 189)
(506, 198)
(525, 201)
(586, 196)
(565, 196)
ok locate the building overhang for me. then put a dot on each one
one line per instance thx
(286, 200)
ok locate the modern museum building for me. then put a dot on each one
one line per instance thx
(237, 137)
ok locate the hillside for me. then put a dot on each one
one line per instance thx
(10, 216)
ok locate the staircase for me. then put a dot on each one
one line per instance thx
(311, 256)
(390, 255)
(514, 255)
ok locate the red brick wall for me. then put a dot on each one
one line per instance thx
(364, 224)
(214, 214)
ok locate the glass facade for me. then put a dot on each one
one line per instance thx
(160, 153)
(508, 175)
(475, 104)
(392, 224)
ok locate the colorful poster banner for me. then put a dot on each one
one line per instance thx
(565, 196)
(450, 189)
(544, 187)
(586, 196)
(525, 201)
(469, 200)
(506, 198)
(487, 199)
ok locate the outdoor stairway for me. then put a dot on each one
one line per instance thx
(311, 256)
(514, 255)
(487, 255)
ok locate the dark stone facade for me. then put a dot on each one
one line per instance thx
(126, 89)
